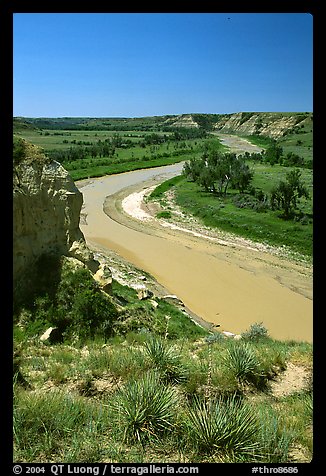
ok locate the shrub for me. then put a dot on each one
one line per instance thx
(256, 331)
(216, 337)
(146, 408)
(19, 153)
(164, 214)
(67, 298)
(80, 307)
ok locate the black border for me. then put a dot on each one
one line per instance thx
(6, 31)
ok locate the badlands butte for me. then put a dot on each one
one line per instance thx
(221, 278)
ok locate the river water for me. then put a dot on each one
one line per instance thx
(230, 287)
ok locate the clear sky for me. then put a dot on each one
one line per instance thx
(145, 64)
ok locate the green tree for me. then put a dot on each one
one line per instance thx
(207, 179)
(215, 171)
(273, 154)
(192, 169)
(241, 174)
(286, 194)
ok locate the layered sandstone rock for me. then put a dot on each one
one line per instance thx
(266, 124)
(46, 211)
(185, 120)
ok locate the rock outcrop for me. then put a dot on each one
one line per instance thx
(183, 120)
(46, 212)
(269, 124)
(273, 125)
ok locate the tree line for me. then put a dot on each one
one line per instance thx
(107, 147)
(216, 172)
(274, 154)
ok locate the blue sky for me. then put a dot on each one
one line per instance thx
(144, 64)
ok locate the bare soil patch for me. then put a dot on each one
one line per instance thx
(294, 379)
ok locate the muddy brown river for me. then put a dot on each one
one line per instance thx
(226, 285)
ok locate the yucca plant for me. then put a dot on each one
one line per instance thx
(146, 408)
(242, 361)
(166, 360)
(227, 428)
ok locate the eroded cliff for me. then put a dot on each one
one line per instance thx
(273, 125)
(46, 212)
(269, 124)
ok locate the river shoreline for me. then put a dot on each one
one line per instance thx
(230, 283)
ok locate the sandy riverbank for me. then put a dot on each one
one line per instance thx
(222, 278)
(252, 281)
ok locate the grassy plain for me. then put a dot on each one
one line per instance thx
(124, 159)
(50, 139)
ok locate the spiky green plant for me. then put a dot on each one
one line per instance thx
(166, 360)
(146, 408)
(242, 361)
(228, 428)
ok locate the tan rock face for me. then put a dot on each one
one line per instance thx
(266, 124)
(104, 277)
(185, 120)
(46, 210)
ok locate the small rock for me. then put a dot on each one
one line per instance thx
(144, 294)
(51, 335)
(104, 277)
(173, 299)
(228, 334)
(154, 303)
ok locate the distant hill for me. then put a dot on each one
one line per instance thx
(270, 124)
(22, 124)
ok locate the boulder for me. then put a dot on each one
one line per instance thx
(103, 277)
(144, 294)
(80, 251)
(228, 334)
(173, 299)
(51, 335)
